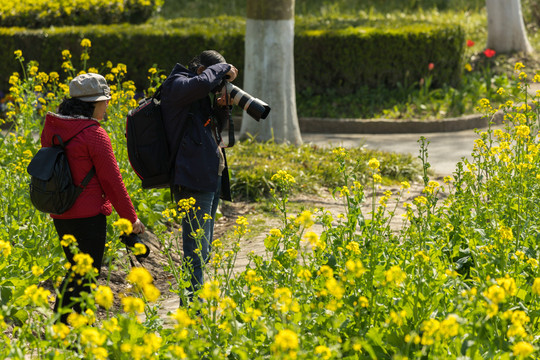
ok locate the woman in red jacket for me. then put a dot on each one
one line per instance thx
(78, 120)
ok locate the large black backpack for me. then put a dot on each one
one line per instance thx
(147, 147)
(51, 185)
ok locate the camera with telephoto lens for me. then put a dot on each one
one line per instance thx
(130, 241)
(256, 108)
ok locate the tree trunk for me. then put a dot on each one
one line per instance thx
(506, 29)
(269, 70)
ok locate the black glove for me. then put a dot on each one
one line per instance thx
(130, 241)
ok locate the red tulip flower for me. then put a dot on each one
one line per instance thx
(431, 66)
(489, 53)
(470, 43)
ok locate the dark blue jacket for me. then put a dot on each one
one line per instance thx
(197, 161)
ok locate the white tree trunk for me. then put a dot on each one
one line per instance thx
(506, 29)
(269, 76)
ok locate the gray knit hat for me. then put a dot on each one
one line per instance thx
(90, 88)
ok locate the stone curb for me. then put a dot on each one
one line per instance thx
(385, 126)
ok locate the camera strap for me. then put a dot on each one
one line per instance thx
(231, 126)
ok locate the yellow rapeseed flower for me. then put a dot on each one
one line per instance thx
(505, 233)
(132, 305)
(363, 301)
(242, 226)
(523, 131)
(210, 291)
(449, 327)
(495, 294)
(430, 328)
(334, 288)
(374, 164)
(355, 267)
(104, 296)
(536, 286)
(283, 177)
(60, 331)
(5, 248)
(304, 274)
(37, 270)
(395, 275)
(285, 340)
(151, 293)
(326, 271)
(67, 240)
(38, 295)
(397, 318)
(256, 290)
(83, 263)
(77, 320)
(305, 219)
(139, 276)
(323, 351)
(251, 276)
(85, 43)
(523, 349)
(124, 225)
(92, 336)
(508, 284)
(182, 318)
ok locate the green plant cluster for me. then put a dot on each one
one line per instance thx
(255, 164)
(340, 60)
(43, 13)
(457, 277)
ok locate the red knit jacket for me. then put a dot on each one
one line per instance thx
(91, 147)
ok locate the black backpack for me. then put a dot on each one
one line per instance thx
(147, 147)
(51, 185)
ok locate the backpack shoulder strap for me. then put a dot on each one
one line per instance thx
(88, 177)
(92, 171)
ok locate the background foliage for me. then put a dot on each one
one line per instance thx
(44, 13)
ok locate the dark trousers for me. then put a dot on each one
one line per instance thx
(91, 234)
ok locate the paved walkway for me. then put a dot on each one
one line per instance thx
(445, 149)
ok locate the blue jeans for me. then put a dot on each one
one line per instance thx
(205, 203)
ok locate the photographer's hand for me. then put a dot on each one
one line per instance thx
(232, 74)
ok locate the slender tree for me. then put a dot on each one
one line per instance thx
(506, 29)
(269, 70)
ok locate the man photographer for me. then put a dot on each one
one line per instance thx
(194, 113)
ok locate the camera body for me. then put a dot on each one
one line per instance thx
(130, 241)
(256, 108)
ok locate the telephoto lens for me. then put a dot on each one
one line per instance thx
(256, 108)
(130, 241)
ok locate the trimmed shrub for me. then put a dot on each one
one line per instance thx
(340, 61)
(346, 59)
(45, 13)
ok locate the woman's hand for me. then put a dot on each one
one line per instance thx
(138, 227)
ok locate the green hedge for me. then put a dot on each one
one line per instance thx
(46, 13)
(326, 61)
